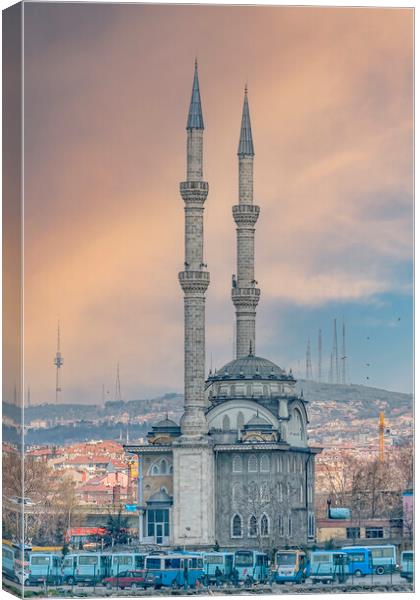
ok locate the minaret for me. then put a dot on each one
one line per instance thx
(245, 294)
(193, 457)
(194, 279)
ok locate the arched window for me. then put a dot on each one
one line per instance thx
(253, 526)
(236, 493)
(279, 492)
(253, 494)
(265, 492)
(281, 525)
(155, 470)
(298, 426)
(280, 464)
(265, 526)
(240, 421)
(171, 469)
(289, 492)
(301, 493)
(226, 423)
(290, 526)
(265, 463)
(236, 526)
(252, 464)
(237, 464)
(163, 467)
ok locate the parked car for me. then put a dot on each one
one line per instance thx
(130, 579)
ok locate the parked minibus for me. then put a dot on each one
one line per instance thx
(328, 566)
(290, 565)
(407, 565)
(8, 562)
(215, 562)
(251, 565)
(384, 558)
(360, 561)
(84, 567)
(44, 568)
(178, 569)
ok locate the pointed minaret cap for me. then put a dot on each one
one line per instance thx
(195, 115)
(246, 146)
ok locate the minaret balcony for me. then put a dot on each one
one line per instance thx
(246, 297)
(194, 191)
(194, 282)
(245, 214)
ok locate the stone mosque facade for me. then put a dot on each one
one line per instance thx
(237, 471)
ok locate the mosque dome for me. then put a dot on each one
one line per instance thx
(257, 423)
(250, 368)
(166, 424)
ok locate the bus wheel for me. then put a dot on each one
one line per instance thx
(380, 570)
(71, 581)
(109, 586)
(26, 582)
(358, 573)
(134, 586)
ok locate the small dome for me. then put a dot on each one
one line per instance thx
(257, 423)
(166, 424)
(162, 497)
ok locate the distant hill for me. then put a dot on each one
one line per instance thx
(334, 411)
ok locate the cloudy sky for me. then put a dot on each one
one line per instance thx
(107, 89)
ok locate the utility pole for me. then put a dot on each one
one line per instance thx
(381, 437)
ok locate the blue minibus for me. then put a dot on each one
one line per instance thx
(407, 565)
(177, 569)
(44, 568)
(384, 558)
(8, 562)
(215, 562)
(251, 565)
(84, 567)
(360, 561)
(329, 566)
(290, 566)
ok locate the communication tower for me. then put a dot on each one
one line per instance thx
(319, 355)
(308, 362)
(343, 355)
(381, 437)
(118, 397)
(335, 354)
(58, 363)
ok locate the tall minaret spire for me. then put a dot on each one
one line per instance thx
(194, 279)
(245, 294)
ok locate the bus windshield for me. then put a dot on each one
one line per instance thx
(285, 558)
(244, 559)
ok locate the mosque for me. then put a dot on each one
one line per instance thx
(237, 471)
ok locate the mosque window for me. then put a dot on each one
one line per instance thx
(281, 525)
(253, 492)
(236, 526)
(280, 464)
(253, 527)
(301, 493)
(310, 493)
(265, 390)
(290, 526)
(163, 467)
(265, 463)
(279, 492)
(236, 493)
(226, 423)
(237, 464)
(240, 421)
(265, 526)
(265, 492)
(155, 470)
(289, 492)
(252, 464)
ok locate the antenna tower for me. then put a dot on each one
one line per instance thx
(118, 397)
(343, 357)
(319, 355)
(335, 354)
(330, 374)
(309, 375)
(58, 363)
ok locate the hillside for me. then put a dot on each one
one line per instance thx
(336, 412)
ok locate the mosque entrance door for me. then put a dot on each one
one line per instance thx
(158, 524)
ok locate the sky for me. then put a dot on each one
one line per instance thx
(107, 89)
